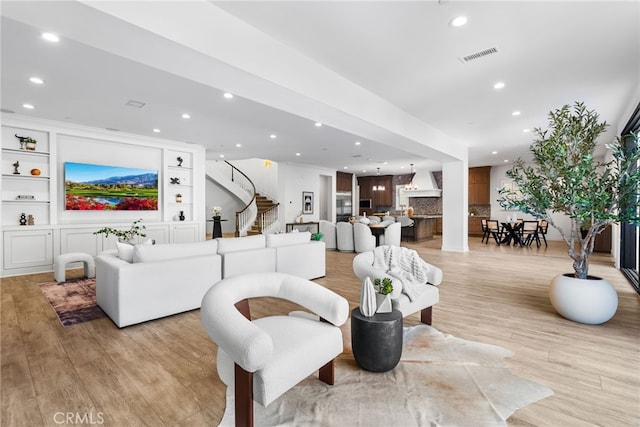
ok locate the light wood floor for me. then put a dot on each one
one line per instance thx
(162, 373)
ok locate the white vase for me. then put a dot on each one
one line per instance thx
(384, 303)
(591, 301)
(367, 298)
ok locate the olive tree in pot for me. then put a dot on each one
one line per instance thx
(566, 178)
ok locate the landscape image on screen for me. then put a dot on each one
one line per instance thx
(90, 187)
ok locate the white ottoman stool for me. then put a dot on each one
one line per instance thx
(60, 264)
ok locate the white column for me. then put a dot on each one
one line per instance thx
(455, 204)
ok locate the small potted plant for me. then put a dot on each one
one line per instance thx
(216, 211)
(317, 236)
(125, 236)
(384, 287)
(178, 198)
(27, 142)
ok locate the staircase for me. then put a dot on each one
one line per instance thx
(264, 205)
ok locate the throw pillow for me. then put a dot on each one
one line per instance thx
(125, 251)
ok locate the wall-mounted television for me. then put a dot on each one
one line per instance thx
(92, 187)
(365, 203)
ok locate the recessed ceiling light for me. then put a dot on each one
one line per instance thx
(297, 154)
(358, 143)
(364, 170)
(498, 85)
(238, 145)
(318, 124)
(36, 80)
(458, 21)
(515, 113)
(384, 163)
(186, 116)
(228, 95)
(272, 136)
(494, 152)
(345, 167)
(156, 130)
(50, 37)
(221, 156)
(526, 130)
(28, 106)
(506, 161)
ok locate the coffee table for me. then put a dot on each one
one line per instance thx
(377, 340)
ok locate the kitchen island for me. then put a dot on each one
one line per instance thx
(424, 226)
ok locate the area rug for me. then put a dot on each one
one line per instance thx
(73, 301)
(441, 380)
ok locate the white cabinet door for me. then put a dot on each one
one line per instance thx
(80, 240)
(29, 248)
(185, 233)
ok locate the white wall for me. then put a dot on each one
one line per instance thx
(293, 179)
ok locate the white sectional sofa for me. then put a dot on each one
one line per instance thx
(161, 280)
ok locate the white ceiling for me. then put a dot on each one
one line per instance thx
(397, 60)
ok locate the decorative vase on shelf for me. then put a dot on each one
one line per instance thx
(368, 294)
(181, 216)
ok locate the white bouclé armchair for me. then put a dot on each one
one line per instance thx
(261, 359)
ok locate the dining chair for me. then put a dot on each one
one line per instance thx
(529, 233)
(495, 230)
(542, 231)
(485, 230)
(363, 239)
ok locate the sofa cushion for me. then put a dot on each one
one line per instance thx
(233, 244)
(281, 239)
(125, 251)
(145, 253)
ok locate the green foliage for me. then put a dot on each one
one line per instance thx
(566, 178)
(126, 235)
(384, 285)
(317, 236)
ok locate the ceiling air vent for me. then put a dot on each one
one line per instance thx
(479, 54)
(135, 104)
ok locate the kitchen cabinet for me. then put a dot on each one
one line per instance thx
(344, 181)
(379, 198)
(475, 225)
(479, 185)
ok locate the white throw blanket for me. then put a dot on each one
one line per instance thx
(402, 265)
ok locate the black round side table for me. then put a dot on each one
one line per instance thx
(377, 340)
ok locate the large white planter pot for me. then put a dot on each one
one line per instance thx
(592, 301)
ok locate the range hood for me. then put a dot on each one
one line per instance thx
(426, 187)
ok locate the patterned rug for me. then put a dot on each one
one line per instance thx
(73, 301)
(441, 381)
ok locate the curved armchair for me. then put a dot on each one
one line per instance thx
(263, 358)
(363, 239)
(374, 219)
(330, 233)
(344, 241)
(391, 235)
(429, 295)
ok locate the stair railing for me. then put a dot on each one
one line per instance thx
(247, 215)
(268, 220)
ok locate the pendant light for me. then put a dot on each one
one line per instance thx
(411, 186)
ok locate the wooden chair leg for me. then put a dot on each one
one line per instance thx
(426, 315)
(243, 397)
(326, 373)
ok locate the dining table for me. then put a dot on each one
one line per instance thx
(512, 233)
(377, 230)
